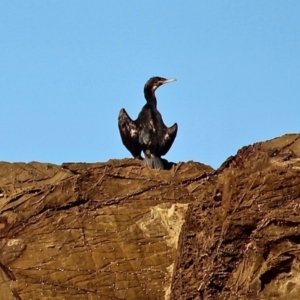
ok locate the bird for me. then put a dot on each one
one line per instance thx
(148, 133)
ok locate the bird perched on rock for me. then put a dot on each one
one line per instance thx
(148, 133)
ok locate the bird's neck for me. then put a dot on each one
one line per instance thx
(150, 98)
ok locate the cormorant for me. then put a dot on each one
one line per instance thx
(148, 133)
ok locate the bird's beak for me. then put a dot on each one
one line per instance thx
(169, 80)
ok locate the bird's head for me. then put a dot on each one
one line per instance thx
(153, 83)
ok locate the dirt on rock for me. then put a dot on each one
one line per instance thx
(117, 230)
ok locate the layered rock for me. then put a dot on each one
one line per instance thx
(241, 240)
(117, 230)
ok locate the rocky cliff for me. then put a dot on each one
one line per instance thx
(117, 230)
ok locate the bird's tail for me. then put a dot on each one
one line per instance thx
(154, 162)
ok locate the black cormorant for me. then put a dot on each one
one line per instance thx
(148, 133)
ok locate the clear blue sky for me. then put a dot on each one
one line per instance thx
(68, 67)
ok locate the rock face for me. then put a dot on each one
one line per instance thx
(117, 230)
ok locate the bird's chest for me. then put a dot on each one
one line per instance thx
(153, 122)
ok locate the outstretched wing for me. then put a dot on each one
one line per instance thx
(129, 133)
(168, 139)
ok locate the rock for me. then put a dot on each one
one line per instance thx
(241, 238)
(117, 230)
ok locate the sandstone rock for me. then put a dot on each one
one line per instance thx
(117, 230)
(241, 239)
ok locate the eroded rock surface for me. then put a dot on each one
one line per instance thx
(242, 240)
(91, 231)
(117, 230)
